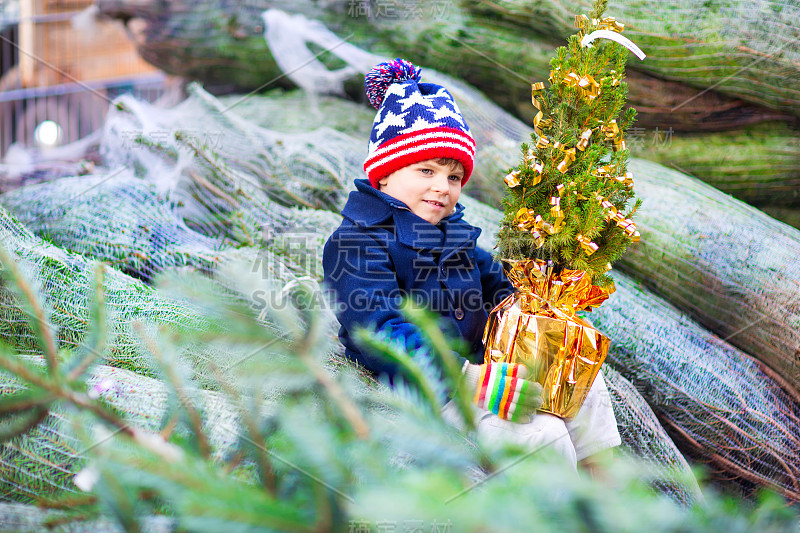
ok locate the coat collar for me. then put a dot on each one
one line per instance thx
(369, 207)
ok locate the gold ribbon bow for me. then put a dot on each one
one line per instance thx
(613, 214)
(542, 142)
(527, 220)
(611, 24)
(557, 213)
(583, 142)
(539, 121)
(582, 22)
(626, 179)
(569, 157)
(586, 84)
(512, 179)
(537, 168)
(588, 246)
(609, 171)
(559, 295)
(614, 134)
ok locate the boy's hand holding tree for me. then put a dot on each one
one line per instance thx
(502, 388)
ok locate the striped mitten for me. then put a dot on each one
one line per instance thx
(502, 389)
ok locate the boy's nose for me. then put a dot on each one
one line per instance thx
(440, 183)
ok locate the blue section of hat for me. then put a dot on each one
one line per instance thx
(410, 106)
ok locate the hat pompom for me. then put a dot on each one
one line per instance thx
(377, 80)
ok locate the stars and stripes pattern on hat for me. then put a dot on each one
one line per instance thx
(415, 122)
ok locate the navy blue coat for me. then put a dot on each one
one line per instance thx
(382, 252)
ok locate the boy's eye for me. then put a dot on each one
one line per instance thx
(426, 171)
(454, 177)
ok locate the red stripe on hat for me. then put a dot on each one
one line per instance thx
(438, 132)
(413, 141)
(419, 153)
(404, 142)
(410, 148)
(429, 142)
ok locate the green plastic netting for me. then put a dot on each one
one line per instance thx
(65, 281)
(725, 263)
(87, 215)
(715, 401)
(645, 440)
(745, 49)
(44, 461)
(26, 518)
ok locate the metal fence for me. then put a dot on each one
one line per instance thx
(61, 113)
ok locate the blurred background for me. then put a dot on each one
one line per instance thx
(59, 69)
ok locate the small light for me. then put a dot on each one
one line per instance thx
(47, 134)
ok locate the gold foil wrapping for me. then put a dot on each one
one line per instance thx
(537, 326)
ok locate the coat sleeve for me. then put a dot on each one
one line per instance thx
(494, 283)
(359, 270)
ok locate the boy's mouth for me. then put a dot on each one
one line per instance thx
(434, 203)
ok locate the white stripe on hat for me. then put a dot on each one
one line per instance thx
(456, 135)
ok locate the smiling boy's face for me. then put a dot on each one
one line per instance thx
(429, 188)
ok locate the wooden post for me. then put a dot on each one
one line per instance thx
(27, 65)
(54, 50)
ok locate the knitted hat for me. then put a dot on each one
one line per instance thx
(415, 121)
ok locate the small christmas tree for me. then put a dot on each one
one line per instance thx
(569, 199)
(567, 217)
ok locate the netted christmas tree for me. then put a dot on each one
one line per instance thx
(569, 201)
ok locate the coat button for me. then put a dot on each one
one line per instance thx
(459, 313)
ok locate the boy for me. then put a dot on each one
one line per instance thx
(403, 235)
